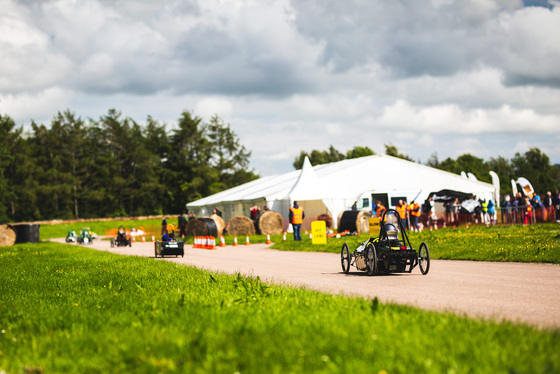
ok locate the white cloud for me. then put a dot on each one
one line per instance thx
(291, 76)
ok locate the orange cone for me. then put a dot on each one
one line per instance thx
(222, 241)
(211, 242)
(247, 240)
(235, 241)
(153, 238)
(284, 236)
(268, 239)
(143, 239)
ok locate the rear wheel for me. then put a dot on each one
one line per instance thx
(345, 258)
(371, 259)
(424, 258)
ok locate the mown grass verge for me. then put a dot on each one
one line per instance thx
(60, 230)
(72, 309)
(534, 243)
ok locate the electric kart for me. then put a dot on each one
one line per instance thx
(85, 236)
(169, 246)
(71, 237)
(391, 252)
(122, 239)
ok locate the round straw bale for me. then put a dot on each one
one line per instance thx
(240, 225)
(7, 235)
(220, 223)
(362, 222)
(270, 223)
(326, 218)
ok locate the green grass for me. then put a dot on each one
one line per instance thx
(533, 243)
(60, 230)
(72, 309)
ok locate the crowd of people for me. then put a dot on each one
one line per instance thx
(518, 209)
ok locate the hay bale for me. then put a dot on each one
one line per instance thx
(327, 219)
(270, 223)
(362, 222)
(7, 235)
(220, 224)
(240, 225)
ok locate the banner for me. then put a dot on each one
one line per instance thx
(526, 186)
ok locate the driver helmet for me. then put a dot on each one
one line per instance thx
(392, 232)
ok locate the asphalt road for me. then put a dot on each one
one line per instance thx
(526, 293)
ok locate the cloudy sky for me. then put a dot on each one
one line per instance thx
(441, 76)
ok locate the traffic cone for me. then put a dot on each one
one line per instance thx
(211, 242)
(235, 241)
(467, 225)
(268, 239)
(134, 239)
(436, 226)
(143, 238)
(222, 241)
(153, 239)
(206, 242)
(310, 236)
(247, 240)
(284, 236)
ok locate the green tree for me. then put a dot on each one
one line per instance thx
(392, 150)
(475, 165)
(9, 136)
(229, 157)
(535, 166)
(502, 167)
(358, 152)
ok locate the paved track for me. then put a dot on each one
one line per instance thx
(527, 293)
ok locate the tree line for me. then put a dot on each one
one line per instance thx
(533, 165)
(114, 167)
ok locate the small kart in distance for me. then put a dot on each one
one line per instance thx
(85, 236)
(71, 237)
(391, 252)
(122, 239)
(169, 246)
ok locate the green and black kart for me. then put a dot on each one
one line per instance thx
(391, 252)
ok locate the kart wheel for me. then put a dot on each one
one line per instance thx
(345, 258)
(371, 259)
(424, 258)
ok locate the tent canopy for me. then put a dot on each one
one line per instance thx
(339, 184)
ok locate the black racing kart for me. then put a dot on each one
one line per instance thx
(122, 239)
(389, 253)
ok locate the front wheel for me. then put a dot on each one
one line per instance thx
(424, 258)
(345, 258)
(371, 259)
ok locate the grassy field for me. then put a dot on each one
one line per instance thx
(60, 230)
(72, 309)
(534, 243)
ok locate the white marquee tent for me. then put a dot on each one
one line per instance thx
(333, 188)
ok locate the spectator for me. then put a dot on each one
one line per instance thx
(380, 209)
(549, 207)
(414, 209)
(296, 219)
(355, 206)
(556, 204)
(163, 226)
(401, 209)
(528, 212)
(491, 211)
(506, 209)
(182, 223)
(217, 212)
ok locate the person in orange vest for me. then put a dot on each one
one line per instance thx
(380, 209)
(296, 219)
(414, 209)
(401, 209)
